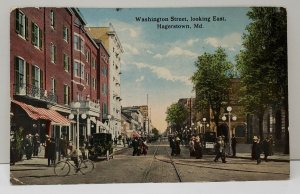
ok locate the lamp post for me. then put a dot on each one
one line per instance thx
(230, 116)
(83, 116)
(205, 124)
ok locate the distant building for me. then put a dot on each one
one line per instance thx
(113, 45)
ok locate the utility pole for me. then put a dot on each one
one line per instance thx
(148, 115)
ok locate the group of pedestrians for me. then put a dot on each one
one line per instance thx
(31, 145)
(175, 145)
(262, 147)
(139, 146)
(195, 147)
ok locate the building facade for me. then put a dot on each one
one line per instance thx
(113, 45)
(54, 64)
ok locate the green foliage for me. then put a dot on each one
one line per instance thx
(176, 115)
(263, 61)
(211, 81)
(155, 132)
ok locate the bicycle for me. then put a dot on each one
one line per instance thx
(63, 168)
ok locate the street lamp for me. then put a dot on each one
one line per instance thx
(205, 124)
(83, 116)
(234, 118)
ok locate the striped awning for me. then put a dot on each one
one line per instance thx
(42, 113)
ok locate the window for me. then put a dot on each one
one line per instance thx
(20, 80)
(66, 34)
(36, 36)
(87, 55)
(104, 71)
(36, 80)
(66, 94)
(53, 85)
(81, 71)
(53, 53)
(87, 79)
(104, 88)
(104, 108)
(52, 18)
(21, 24)
(94, 63)
(66, 63)
(78, 43)
(94, 83)
(76, 68)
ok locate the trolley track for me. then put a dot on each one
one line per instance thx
(169, 161)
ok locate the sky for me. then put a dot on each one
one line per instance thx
(159, 62)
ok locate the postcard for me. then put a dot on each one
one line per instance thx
(148, 95)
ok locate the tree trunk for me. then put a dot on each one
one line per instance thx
(260, 126)
(286, 127)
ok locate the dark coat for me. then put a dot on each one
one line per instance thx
(51, 151)
(198, 149)
(266, 147)
(47, 147)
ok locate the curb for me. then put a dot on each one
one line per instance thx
(269, 159)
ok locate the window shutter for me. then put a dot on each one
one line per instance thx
(32, 74)
(68, 95)
(17, 21)
(54, 46)
(40, 38)
(26, 27)
(16, 72)
(27, 73)
(32, 34)
(41, 79)
(54, 86)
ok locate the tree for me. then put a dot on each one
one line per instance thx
(155, 133)
(177, 114)
(263, 63)
(211, 81)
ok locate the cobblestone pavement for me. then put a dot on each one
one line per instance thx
(125, 168)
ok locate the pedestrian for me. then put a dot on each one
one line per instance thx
(173, 145)
(36, 144)
(220, 150)
(27, 146)
(144, 148)
(47, 143)
(271, 144)
(192, 146)
(63, 146)
(254, 142)
(198, 148)
(233, 145)
(177, 146)
(51, 152)
(266, 148)
(135, 145)
(256, 147)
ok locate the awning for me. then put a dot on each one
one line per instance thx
(42, 113)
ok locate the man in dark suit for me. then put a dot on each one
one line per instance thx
(233, 145)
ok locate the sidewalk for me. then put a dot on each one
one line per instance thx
(244, 152)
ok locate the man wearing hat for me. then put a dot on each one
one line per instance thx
(192, 146)
(198, 148)
(220, 150)
(36, 144)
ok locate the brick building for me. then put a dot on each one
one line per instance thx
(55, 63)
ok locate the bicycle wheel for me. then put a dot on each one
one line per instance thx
(62, 168)
(86, 166)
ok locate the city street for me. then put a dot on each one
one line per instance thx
(125, 168)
